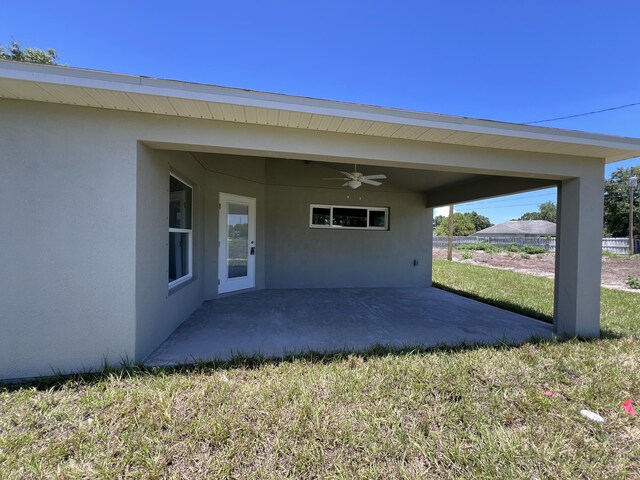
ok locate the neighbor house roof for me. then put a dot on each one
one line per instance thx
(521, 227)
(75, 86)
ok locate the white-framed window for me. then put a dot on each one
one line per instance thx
(180, 231)
(342, 216)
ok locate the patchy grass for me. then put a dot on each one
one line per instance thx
(444, 413)
(532, 295)
(526, 294)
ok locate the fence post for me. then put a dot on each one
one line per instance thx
(450, 244)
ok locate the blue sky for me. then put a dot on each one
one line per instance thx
(515, 61)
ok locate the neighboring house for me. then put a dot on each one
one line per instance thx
(129, 201)
(520, 228)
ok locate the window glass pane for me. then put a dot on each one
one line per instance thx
(350, 217)
(238, 240)
(178, 255)
(179, 204)
(321, 216)
(377, 218)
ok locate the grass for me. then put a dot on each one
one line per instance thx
(532, 295)
(526, 294)
(476, 412)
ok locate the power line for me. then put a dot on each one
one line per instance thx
(501, 206)
(585, 114)
(509, 199)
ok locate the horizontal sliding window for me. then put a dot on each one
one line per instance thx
(339, 216)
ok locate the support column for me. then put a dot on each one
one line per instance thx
(428, 264)
(579, 256)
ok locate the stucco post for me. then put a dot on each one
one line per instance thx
(579, 256)
(428, 264)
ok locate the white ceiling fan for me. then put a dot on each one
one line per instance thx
(355, 179)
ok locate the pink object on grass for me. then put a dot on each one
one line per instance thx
(628, 406)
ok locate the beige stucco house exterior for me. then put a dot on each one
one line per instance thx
(128, 201)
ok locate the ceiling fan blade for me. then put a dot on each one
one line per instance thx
(348, 175)
(375, 177)
(370, 182)
(346, 184)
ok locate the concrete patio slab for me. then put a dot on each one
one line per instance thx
(278, 322)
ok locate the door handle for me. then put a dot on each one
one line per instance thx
(253, 251)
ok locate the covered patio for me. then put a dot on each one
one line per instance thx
(183, 193)
(274, 323)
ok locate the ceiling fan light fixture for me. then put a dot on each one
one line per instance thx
(355, 179)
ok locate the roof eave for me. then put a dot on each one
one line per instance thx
(89, 79)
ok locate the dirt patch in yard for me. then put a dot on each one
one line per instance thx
(615, 270)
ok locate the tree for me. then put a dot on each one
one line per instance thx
(480, 222)
(439, 219)
(462, 225)
(546, 211)
(472, 223)
(616, 203)
(32, 55)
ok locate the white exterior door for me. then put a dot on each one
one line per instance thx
(237, 243)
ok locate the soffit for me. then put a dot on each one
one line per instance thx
(72, 86)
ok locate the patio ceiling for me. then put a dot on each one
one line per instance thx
(436, 184)
(416, 180)
(436, 181)
(72, 86)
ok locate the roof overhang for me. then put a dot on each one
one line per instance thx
(73, 86)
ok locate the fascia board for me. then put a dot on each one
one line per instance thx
(133, 85)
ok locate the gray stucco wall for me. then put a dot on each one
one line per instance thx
(67, 282)
(160, 310)
(302, 257)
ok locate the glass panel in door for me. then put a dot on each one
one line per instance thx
(237, 240)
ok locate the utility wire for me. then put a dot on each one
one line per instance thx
(548, 194)
(500, 206)
(584, 114)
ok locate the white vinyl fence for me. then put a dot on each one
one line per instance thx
(611, 245)
(617, 245)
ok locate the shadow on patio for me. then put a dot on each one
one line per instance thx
(276, 323)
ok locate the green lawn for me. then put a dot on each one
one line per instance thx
(532, 295)
(447, 413)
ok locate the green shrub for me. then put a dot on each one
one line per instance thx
(486, 247)
(533, 249)
(467, 256)
(525, 255)
(513, 248)
(633, 281)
